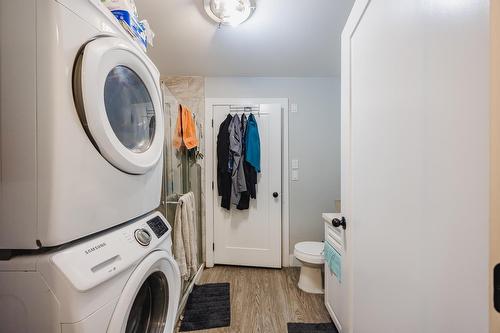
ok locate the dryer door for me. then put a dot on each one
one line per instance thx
(149, 301)
(118, 99)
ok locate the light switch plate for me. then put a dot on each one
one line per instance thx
(294, 108)
(295, 175)
(295, 164)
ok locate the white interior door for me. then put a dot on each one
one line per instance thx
(415, 176)
(252, 237)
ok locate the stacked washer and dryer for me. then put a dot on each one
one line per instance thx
(81, 248)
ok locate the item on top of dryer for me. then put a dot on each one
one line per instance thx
(124, 5)
(133, 27)
(125, 12)
(148, 32)
(107, 283)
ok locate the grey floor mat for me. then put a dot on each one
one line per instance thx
(208, 306)
(311, 328)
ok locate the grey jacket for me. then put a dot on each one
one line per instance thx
(236, 138)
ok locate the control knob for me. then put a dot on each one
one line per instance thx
(142, 236)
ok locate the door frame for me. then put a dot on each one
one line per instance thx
(350, 28)
(209, 173)
(494, 156)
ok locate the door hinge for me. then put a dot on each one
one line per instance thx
(213, 185)
(213, 246)
(212, 122)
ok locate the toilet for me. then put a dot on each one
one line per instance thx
(310, 255)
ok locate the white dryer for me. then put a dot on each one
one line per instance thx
(82, 128)
(124, 280)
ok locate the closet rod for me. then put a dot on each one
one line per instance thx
(244, 107)
(243, 111)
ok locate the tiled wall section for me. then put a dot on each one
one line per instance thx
(190, 91)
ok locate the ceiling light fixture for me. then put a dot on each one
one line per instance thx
(229, 12)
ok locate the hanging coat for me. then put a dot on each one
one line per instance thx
(235, 148)
(224, 182)
(251, 164)
(244, 202)
(251, 180)
(252, 153)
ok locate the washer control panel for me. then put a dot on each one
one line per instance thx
(110, 253)
(142, 236)
(158, 226)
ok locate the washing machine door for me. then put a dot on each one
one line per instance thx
(118, 99)
(150, 298)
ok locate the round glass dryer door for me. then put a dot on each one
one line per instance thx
(130, 109)
(149, 301)
(117, 96)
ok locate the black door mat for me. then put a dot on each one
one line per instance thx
(312, 328)
(208, 306)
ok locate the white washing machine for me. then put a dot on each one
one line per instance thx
(124, 280)
(81, 123)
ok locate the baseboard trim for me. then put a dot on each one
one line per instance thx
(293, 261)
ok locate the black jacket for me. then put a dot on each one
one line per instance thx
(224, 182)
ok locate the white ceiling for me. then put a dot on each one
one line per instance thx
(282, 38)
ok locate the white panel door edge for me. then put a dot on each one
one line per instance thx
(409, 180)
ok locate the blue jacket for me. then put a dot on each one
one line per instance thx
(252, 139)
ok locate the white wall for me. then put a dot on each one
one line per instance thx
(314, 138)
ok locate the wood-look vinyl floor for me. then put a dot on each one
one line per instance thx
(265, 300)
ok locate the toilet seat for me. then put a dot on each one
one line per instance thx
(310, 252)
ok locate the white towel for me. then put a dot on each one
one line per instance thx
(185, 242)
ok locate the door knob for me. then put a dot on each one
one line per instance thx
(339, 222)
(275, 194)
(496, 287)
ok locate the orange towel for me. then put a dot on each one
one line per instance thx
(185, 129)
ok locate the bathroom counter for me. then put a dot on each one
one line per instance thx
(328, 217)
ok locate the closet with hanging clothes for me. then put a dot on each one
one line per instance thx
(238, 159)
(245, 160)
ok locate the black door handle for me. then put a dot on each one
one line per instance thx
(339, 222)
(275, 194)
(496, 287)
